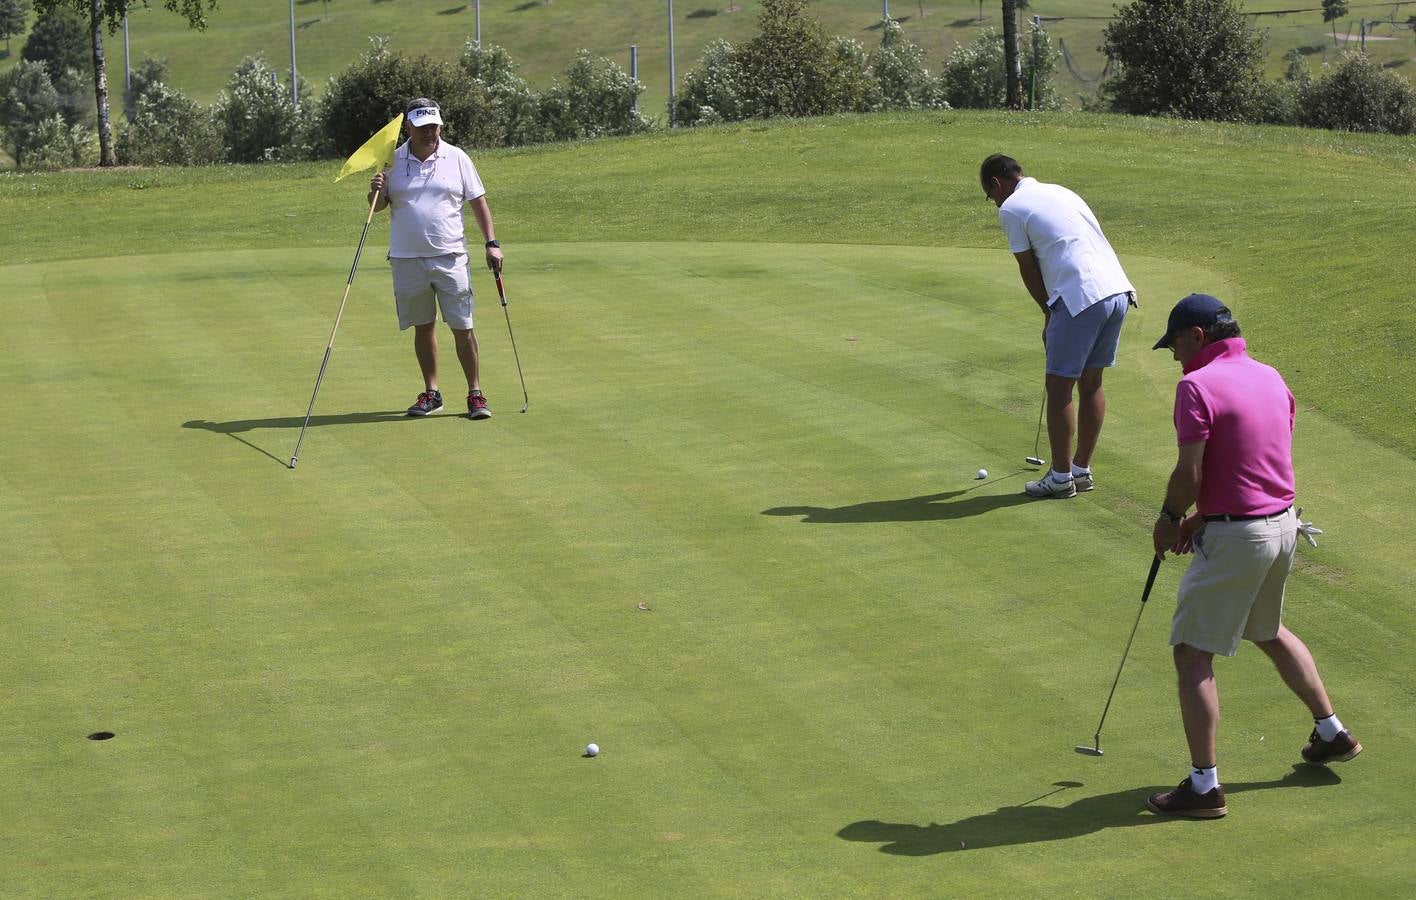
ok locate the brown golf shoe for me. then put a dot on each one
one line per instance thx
(1183, 801)
(1340, 749)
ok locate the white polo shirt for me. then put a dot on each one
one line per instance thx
(1077, 262)
(425, 201)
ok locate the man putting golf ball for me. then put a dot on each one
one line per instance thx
(1234, 421)
(1071, 272)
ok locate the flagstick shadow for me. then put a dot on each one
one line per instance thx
(261, 450)
(364, 418)
(234, 428)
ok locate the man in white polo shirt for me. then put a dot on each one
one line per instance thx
(424, 190)
(1072, 273)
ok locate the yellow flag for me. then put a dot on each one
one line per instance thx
(377, 150)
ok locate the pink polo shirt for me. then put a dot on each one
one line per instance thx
(1244, 412)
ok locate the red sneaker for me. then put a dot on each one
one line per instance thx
(427, 403)
(477, 406)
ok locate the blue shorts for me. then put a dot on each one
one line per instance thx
(1087, 340)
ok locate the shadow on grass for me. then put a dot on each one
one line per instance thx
(364, 418)
(926, 508)
(233, 428)
(1026, 824)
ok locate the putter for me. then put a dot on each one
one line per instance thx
(1095, 749)
(1036, 460)
(501, 292)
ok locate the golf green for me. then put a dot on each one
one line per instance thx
(736, 541)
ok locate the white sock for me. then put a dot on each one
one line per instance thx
(1328, 728)
(1080, 470)
(1204, 780)
(1061, 477)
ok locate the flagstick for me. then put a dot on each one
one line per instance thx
(330, 346)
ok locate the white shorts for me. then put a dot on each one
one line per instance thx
(419, 281)
(1233, 589)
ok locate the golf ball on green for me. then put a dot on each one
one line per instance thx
(982, 474)
(592, 749)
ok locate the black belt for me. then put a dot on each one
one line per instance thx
(1225, 517)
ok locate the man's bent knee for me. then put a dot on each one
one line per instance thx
(1191, 658)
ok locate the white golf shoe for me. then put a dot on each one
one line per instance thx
(1048, 489)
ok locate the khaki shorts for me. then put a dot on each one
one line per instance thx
(1233, 589)
(421, 281)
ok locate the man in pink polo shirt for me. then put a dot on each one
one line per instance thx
(1234, 424)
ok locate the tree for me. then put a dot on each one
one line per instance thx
(905, 81)
(793, 68)
(59, 41)
(27, 98)
(1358, 95)
(1196, 59)
(1332, 11)
(1012, 60)
(111, 12)
(14, 15)
(257, 118)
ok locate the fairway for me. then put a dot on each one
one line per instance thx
(736, 541)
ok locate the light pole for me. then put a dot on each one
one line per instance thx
(671, 63)
(294, 91)
(634, 70)
(127, 66)
(479, 24)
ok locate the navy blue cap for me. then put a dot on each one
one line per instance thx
(1200, 310)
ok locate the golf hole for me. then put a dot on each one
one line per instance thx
(101, 736)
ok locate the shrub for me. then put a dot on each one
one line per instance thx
(27, 98)
(1358, 95)
(151, 70)
(793, 68)
(1040, 68)
(57, 144)
(713, 92)
(168, 129)
(899, 70)
(506, 114)
(256, 116)
(1196, 59)
(376, 87)
(596, 99)
(975, 76)
(75, 91)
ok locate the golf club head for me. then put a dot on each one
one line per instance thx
(1088, 751)
(1033, 461)
(525, 406)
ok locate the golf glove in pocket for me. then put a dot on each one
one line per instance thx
(1307, 529)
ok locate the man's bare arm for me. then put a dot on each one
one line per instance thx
(1032, 277)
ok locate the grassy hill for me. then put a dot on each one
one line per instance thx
(543, 35)
(736, 541)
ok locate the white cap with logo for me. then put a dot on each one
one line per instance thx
(423, 112)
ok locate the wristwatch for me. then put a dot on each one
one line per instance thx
(491, 244)
(1172, 519)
